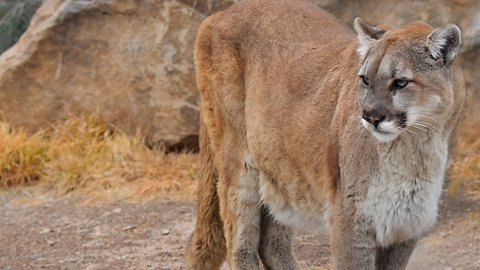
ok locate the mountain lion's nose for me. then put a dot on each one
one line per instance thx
(373, 117)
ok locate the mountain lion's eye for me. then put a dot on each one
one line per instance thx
(400, 83)
(365, 80)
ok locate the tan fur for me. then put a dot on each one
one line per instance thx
(282, 141)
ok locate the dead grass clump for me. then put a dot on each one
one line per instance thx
(465, 168)
(22, 157)
(464, 173)
(85, 156)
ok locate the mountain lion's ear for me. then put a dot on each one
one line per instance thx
(444, 42)
(366, 34)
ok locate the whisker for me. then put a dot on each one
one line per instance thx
(410, 133)
(424, 128)
(431, 118)
(420, 128)
(427, 125)
(423, 124)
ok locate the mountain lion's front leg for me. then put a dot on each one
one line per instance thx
(353, 243)
(394, 257)
(275, 247)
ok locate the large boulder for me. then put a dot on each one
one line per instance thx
(129, 61)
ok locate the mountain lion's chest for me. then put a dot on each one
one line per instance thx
(402, 199)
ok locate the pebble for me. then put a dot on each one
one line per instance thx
(32, 257)
(50, 242)
(117, 210)
(129, 228)
(46, 230)
(443, 234)
(165, 232)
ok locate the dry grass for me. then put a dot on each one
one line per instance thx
(84, 156)
(22, 157)
(464, 172)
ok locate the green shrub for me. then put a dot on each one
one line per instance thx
(15, 17)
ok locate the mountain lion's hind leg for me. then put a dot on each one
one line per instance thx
(241, 214)
(276, 244)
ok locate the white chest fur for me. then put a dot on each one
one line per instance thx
(402, 199)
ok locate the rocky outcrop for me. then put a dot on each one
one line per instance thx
(131, 61)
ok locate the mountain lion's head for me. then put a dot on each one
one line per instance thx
(404, 77)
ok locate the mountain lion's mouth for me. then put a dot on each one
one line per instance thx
(384, 132)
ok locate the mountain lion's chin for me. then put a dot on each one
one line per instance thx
(384, 136)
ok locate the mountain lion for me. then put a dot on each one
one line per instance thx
(305, 124)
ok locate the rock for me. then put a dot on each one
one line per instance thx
(129, 61)
(166, 232)
(128, 228)
(51, 242)
(32, 257)
(46, 230)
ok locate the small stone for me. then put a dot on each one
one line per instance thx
(51, 242)
(117, 210)
(46, 230)
(165, 232)
(129, 228)
(32, 257)
(83, 232)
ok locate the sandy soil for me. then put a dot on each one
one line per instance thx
(60, 233)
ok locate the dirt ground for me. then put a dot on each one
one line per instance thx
(61, 233)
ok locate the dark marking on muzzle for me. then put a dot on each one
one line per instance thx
(374, 117)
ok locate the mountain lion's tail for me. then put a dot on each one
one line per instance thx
(206, 248)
